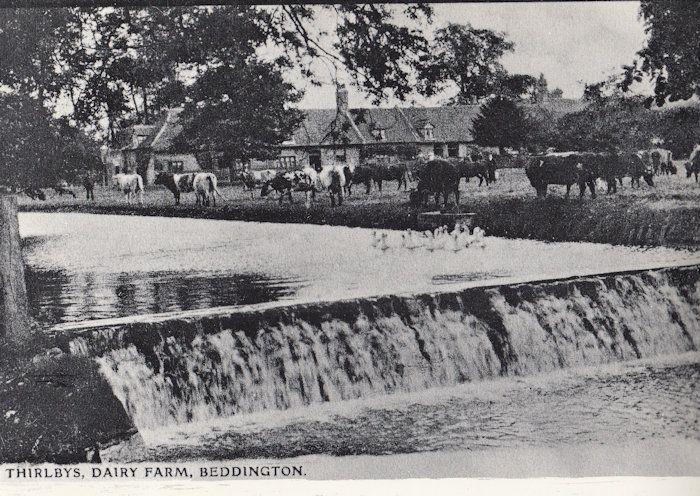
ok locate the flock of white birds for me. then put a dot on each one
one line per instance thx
(440, 239)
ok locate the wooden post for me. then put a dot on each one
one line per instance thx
(14, 315)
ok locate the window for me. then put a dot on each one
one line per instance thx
(288, 162)
(428, 132)
(176, 166)
(379, 134)
(341, 156)
(438, 150)
(453, 150)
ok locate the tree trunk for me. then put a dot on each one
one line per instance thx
(14, 319)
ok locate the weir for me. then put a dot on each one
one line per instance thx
(203, 365)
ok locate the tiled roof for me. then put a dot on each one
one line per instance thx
(159, 136)
(403, 125)
(169, 128)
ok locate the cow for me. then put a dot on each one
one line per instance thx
(692, 166)
(205, 188)
(662, 161)
(565, 169)
(393, 172)
(484, 170)
(61, 187)
(438, 176)
(616, 166)
(332, 179)
(362, 174)
(176, 183)
(282, 183)
(35, 193)
(129, 184)
(253, 179)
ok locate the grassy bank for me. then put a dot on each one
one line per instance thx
(668, 214)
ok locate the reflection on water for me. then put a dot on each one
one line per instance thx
(56, 296)
(84, 266)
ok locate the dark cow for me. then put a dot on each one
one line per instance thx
(61, 187)
(565, 169)
(438, 176)
(35, 193)
(394, 172)
(692, 166)
(280, 183)
(483, 169)
(616, 166)
(176, 183)
(362, 174)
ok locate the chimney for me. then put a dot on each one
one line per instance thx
(341, 98)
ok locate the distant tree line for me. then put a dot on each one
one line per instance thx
(611, 123)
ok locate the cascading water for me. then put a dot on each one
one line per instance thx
(191, 369)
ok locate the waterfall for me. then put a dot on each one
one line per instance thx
(190, 369)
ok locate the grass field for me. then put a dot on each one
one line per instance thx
(667, 214)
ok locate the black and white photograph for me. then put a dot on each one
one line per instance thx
(291, 243)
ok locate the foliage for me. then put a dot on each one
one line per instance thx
(220, 116)
(470, 59)
(466, 56)
(501, 123)
(670, 56)
(129, 63)
(37, 150)
(626, 124)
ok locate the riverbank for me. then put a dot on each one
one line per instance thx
(54, 407)
(619, 221)
(665, 215)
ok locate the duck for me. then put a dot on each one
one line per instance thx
(453, 243)
(429, 241)
(375, 239)
(411, 242)
(383, 245)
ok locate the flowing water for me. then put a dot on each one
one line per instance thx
(372, 352)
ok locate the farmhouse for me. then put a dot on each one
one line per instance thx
(148, 149)
(342, 134)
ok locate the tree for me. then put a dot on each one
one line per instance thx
(130, 63)
(239, 110)
(609, 124)
(466, 56)
(470, 59)
(670, 56)
(35, 151)
(501, 123)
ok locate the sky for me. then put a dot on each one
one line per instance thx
(571, 43)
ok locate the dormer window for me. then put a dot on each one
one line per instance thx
(428, 132)
(379, 134)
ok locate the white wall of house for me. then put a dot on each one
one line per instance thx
(170, 162)
(349, 156)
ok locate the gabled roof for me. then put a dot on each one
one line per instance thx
(159, 136)
(169, 129)
(400, 125)
(450, 123)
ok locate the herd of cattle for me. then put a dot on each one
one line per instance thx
(435, 177)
